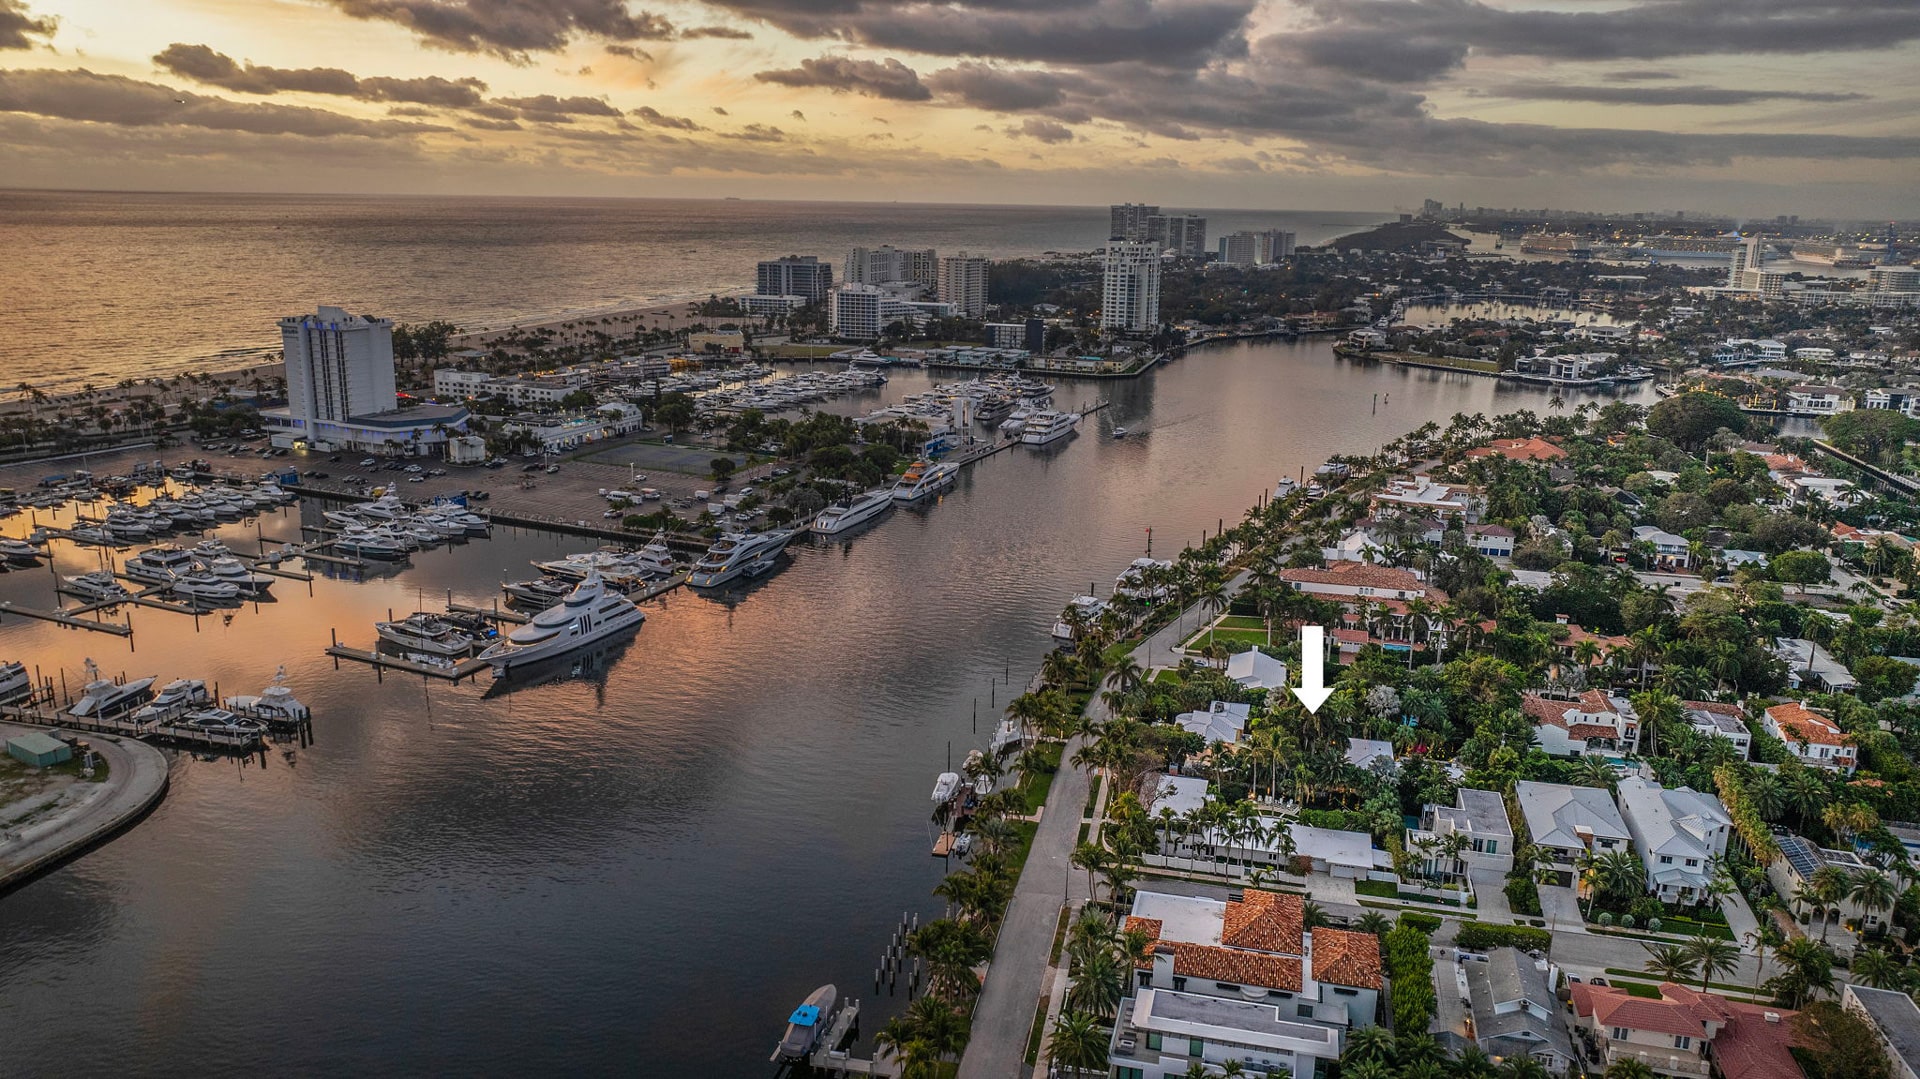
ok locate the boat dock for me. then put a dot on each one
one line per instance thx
(67, 618)
(164, 730)
(492, 614)
(829, 1059)
(452, 671)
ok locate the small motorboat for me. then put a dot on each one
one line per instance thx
(1119, 432)
(275, 703)
(806, 1025)
(946, 787)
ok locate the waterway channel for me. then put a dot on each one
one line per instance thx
(642, 868)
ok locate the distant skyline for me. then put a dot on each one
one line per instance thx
(1753, 108)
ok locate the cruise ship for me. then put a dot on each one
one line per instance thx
(842, 516)
(1045, 427)
(922, 479)
(736, 554)
(591, 612)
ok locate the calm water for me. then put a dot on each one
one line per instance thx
(103, 286)
(669, 851)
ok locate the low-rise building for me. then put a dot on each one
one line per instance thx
(1515, 1013)
(1520, 449)
(727, 342)
(1810, 666)
(1670, 551)
(1685, 1032)
(1568, 822)
(1818, 400)
(1360, 581)
(1791, 874)
(1895, 1019)
(1241, 980)
(1255, 669)
(1479, 819)
(1811, 737)
(1593, 722)
(1421, 494)
(1680, 834)
(1715, 719)
(1223, 721)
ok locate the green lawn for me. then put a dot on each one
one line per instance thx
(1383, 889)
(1227, 636)
(1033, 786)
(1168, 677)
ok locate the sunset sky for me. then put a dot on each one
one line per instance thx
(1741, 106)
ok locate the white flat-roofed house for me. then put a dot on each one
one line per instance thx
(1422, 495)
(1811, 737)
(1567, 822)
(1818, 400)
(1679, 833)
(1719, 720)
(1479, 818)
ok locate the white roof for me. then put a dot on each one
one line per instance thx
(1182, 794)
(1557, 814)
(1255, 669)
(1682, 823)
(1353, 849)
(1189, 918)
(1222, 722)
(1362, 752)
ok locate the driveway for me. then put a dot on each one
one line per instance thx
(1489, 888)
(1561, 908)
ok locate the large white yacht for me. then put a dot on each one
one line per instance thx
(1045, 427)
(591, 612)
(105, 697)
(1134, 580)
(424, 632)
(922, 479)
(276, 702)
(853, 512)
(235, 572)
(656, 557)
(160, 565)
(99, 585)
(1088, 608)
(175, 698)
(738, 553)
(14, 682)
(614, 562)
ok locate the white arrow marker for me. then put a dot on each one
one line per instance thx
(1313, 691)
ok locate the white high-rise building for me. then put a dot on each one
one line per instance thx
(887, 265)
(338, 365)
(1256, 248)
(963, 283)
(1130, 288)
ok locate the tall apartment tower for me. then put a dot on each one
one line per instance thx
(1183, 234)
(887, 265)
(338, 365)
(1130, 288)
(963, 283)
(1130, 221)
(795, 275)
(1256, 248)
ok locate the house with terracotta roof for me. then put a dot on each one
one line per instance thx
(1242, 980)
(1520, 449)
(1811, 737)
(1685, 1032)
(1377, 601)
(1593, 722)
(1569, 645)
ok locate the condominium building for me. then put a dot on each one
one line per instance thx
(1130, 288)
(1183, 234)
(795, 275)
(1894, 279)
(963, 283)
(340, 389)
(863, 312)
(886, 265)
(1256, 248)
(1130, 222)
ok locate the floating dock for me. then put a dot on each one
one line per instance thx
(165, 730)
(452, 672)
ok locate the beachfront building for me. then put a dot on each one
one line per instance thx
(890, 265)
(1811, 737)
(794, 275)
(1567, 823)
(1256, 248)
(963, 283)
(1685, 1032)
(1130, 288)
(1184, 235)
(1129, 221)
(1485, 836)
(863, 312)
(1679, 835)
(340, 390)
(1242, 980)
(1895, 1019)
(1594, 722)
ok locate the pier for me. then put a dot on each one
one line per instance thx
(452, 671)
(163, 729)
(68, 619)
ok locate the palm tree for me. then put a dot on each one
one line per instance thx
(1712, 956)
(1078, 1041)
(1669, 961)
(951, 949)
(1628, 1068)
(1873, 890)
(1368, 1043)
(1372, 922)
(1100, 984)
(1827, 887)
(1595, 772)
(1873, 967)
(1806, 967)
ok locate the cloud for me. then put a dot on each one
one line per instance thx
(202, 64)
(113, 99)
(997, 89)
(18, 28)
(887, 78)
(485, 124)
(512, 28)
(1658, 95)
(1044, 130)
(718, 111)
(649, 114)
(631, 52)
(1640, 75)
(548, 109)
(798, 115)
(757, 133)
(728, 32)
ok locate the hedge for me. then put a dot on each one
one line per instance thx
(1409, 963)
(1476, 938)
(1523, 895)
(1426, 923)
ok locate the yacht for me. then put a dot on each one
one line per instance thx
(842, 516)
(1045, 427)
(205, 588)
(922, 479)
(91, 534)
(209, 549)
(160, 565)
(370, 544)
(591, 612)
(1088, 608)
(423, 632)
(1285, 487)
(1133, 580)
(738, 553)
(1016, 424)
(14, 682)
(100, 584)
(14, 550)
(607, 561)
(656, 558)
(545, 591)
(275, 703)
(221, 721)
(235, 572)
(103, 697)
(173, 699)
(994, 407)
(945, 786)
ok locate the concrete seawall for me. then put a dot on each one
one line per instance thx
(136, 780)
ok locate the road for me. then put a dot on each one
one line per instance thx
(136, 779)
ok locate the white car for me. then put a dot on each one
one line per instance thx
(414, 468)
(368, 462)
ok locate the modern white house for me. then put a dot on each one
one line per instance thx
(1422, 494)
(1568, 822)
(1479, 819)
(1716, 719)
(1818, 400)
(1241, 980)
(1680, 834)
(1671, 551)
(1811, 737)
(1810, 666)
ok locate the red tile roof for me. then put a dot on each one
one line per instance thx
(1797, 721)
(1542, 710)
(1150, 926)
(1237, 966)
(1347, 958)
(1520, 449)
(1613, 1007)
(1357, 575)
(1267, 921)
(1752, 1046)
(1591, 730)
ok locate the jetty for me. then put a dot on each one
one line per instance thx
(136, 781)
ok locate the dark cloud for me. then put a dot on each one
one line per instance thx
(18, 28)
(798, 115)
(113, 99)
(548, 109)
(887, 78)
(1658, 95)
(651, 115)
(718, 111)
(728, 32)
(202, 64)
(629, 51)
(1044, 130)
(485, 124)
(1167, 33)
(757, 133)
(1640, 75)
(512, 28)
(984, 86)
